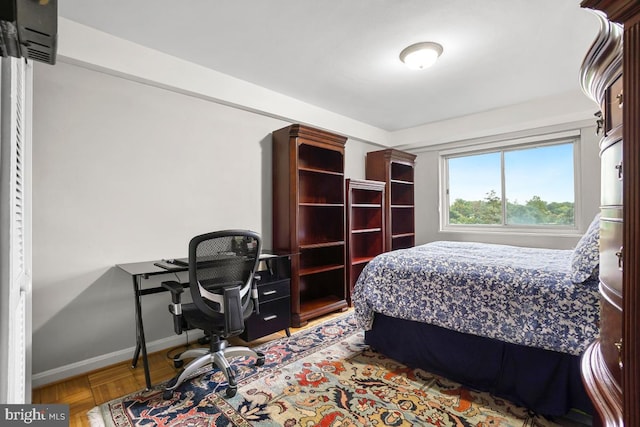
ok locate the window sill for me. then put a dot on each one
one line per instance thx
(514, 231)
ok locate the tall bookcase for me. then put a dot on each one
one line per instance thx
(309, 218)
(365, 226)
(395, 168)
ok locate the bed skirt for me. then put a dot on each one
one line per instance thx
(544, 381)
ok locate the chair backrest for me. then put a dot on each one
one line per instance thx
(219, 260)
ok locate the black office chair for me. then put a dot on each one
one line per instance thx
(222, 269)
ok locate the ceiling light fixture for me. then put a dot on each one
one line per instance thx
(421, 55)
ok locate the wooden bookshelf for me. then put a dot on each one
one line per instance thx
(396, 169)
(365, 226)
(309, 218)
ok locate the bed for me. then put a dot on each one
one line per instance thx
(510, 320)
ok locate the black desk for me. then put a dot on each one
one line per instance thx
(139, 271)
(144, 270)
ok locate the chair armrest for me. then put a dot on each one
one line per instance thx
(175, 308)
(175, 288)
(254, 293)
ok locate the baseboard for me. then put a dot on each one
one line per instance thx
(82, 367)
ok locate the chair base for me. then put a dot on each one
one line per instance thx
(219, 359)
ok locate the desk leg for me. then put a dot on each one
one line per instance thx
(140, 340)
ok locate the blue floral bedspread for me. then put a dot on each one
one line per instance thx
(514, 294)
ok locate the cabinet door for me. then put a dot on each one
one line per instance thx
(15, 242)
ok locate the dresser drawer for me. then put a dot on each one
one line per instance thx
(273, 290)
(611, 337)
(274, 316)
(613, 105)
(611, 174)
(611, 254)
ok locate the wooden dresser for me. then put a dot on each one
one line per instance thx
(611, 76)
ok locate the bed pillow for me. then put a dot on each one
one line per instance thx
(586, 255)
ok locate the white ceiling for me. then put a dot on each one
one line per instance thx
(342, 55)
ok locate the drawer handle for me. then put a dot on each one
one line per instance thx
(599, 122)
(619, 169)
(266, 319)
(268, 293)
(619, 347)
(620, 99)
(619, 255)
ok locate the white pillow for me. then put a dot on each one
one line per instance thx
(586, 255)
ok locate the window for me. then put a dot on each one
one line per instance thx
(522, 187)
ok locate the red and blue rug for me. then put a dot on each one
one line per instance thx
(324, 376)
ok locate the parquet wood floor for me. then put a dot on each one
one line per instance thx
(83, 392)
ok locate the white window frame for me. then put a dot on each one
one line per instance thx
(572, 136)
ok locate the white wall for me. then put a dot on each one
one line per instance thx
(127, 172)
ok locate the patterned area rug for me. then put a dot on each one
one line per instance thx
(325, 376)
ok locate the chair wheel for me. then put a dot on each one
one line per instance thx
(231, 391)
(260, 360)
(177, 363)
(167, 394)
